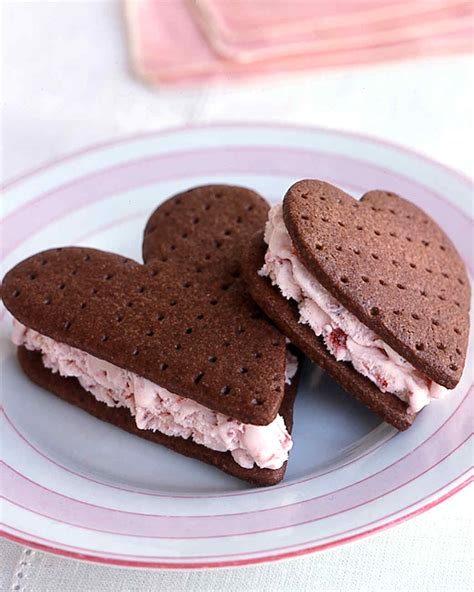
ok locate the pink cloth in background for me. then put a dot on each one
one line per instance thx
(170, 43)
(360, 25)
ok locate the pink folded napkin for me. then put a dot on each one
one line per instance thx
(180, 41)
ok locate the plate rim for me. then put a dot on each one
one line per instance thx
(446, 491)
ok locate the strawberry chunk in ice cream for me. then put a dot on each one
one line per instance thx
(345, 336)
(155, 408)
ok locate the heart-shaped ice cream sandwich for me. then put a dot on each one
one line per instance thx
(174, 350)
(372, 290)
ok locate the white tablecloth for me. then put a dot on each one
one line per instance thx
(66, 84)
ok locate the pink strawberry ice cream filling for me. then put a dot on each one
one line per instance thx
(347, 339)
(155, 408)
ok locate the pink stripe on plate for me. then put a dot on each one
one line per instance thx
(287, 547)
(284, 161)
(36, 498)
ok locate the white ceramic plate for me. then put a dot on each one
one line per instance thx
(78, 487)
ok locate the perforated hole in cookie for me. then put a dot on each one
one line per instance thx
(83, 305)
(441, 346)
(419, 346)
(458, 351)
(198, 378)
(32, 276)
(212, 359)
(239, 219)
(359, 227)
(374, 311)
(160, 316)
(172, 247)
(256, 401)
(173, 302)
(453, 367)
(425, 243)
(217, 244)
(445, 275)
(257, 355)
(227, 232)
(442, 247)
(213, 302)
(186, 284)
(150, 333)
(435, 322)
(225, 287)
(409, 239)
(154, 272)
(16, 293)
(374, 256)
(415, 316)
(47, 300)
(304, 217)
(44, 262)
(413, 265)
(461, 281)
(338, 248)
(189, 330)
(107, 277)
(119, 318)
(135, 351)
(383, 283)
(356, 251)
(243, 370)
(225, 390)
(200, 316)
(365, 279)
(442, 297)
(67, 325)
(377, 233)
(163, 366)
(401, 287)
(397, 312)
(344, 279)
(103, 338)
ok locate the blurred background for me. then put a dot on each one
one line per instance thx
(77, 73)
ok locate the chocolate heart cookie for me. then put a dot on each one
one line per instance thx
(174, 350)
(372, 290)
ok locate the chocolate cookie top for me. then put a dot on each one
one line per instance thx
(183, 321)
(392, 266)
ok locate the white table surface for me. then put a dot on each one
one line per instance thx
(66, 84)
